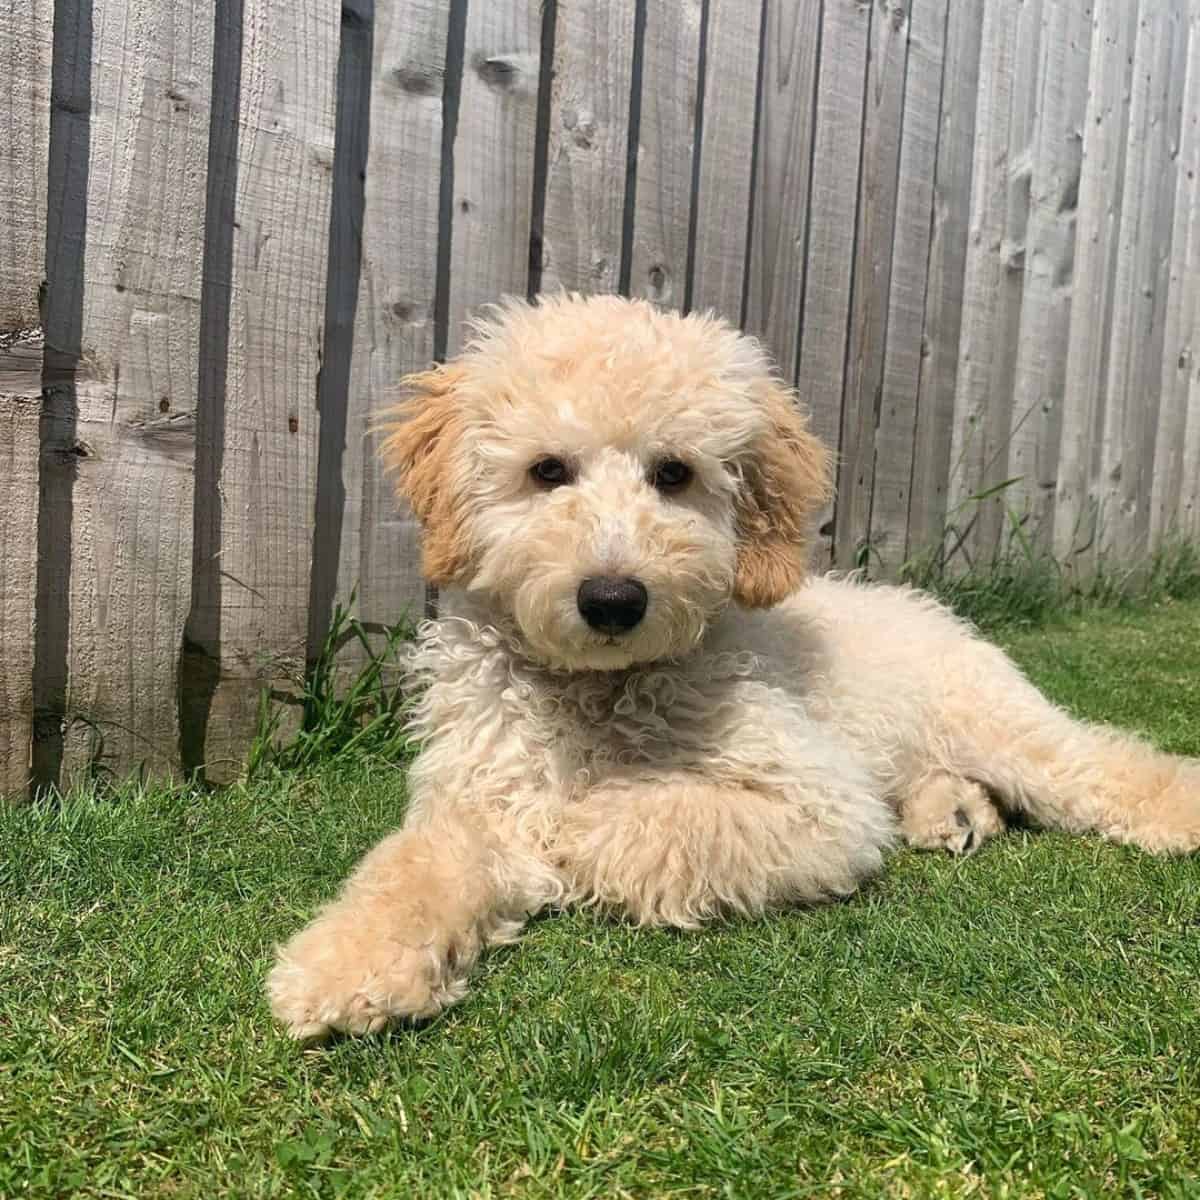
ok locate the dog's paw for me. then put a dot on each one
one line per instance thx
(949, 813)
(328, 980)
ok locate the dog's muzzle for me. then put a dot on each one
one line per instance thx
(611, 605)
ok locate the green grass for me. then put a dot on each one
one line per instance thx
(1024, 1023)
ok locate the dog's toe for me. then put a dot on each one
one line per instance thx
(951, 814)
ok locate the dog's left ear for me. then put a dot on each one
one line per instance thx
(785, 482)
(423, 434)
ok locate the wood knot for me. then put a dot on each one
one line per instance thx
(497, 72)
(417, 79)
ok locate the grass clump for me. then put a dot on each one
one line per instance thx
(1025, 586)
(353, 702)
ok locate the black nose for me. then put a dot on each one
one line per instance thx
(612, 605)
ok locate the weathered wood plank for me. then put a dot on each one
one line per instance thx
(20, 404)
(1041, 366)
(784, 162)
(663, 203)
(393, 305)
(256, 524)
(831, 221)
(938, 385)
(1101, 194)
(25, 36)
(589, 140)
(1135, 361)
(25, 51)
(994, 272)
(882, 119)
(1173, 513)
(122, 326)
(897, 408)
(722, 200)
(493, 159)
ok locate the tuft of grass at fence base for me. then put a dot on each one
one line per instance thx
(1025, 585)
(344, 711)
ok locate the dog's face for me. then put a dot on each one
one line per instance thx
(610, 476)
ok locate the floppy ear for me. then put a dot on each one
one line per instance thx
(786, 480)
(423, 434)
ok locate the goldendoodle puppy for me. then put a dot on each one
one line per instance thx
(635, 699)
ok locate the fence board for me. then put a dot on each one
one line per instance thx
(25, 44)
(783, 164)
(882, 120)
(895, 433)
(1041, 347)
(258, 520)
(1134, 366)
(122, 330)
(393, 332)
(589, 139)
(831, 221)
(493, 158)
(1179, 413)
(1096, 244)
(20, 402)
(722, 200)
(25, 38)
(994, 270)
(663, 203)
(938, 385)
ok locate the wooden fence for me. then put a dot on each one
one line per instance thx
(968, 230)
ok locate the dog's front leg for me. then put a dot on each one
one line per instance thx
(401, 938)
(677, 848)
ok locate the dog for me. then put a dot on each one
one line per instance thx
(636, 699)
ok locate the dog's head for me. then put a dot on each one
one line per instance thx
(609, 476)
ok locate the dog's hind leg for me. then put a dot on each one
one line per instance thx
(403, 935)
(1060, 773)
(947, 812)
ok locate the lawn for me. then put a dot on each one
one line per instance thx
(1021, 1023)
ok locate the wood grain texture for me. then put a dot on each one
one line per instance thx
(589, 136)
(896, 426)
(929, 490)
(393, 322)
(1138, 313)
(782, 181)
(1097, 240)
(993, 279)
(722, 197)
(493, 159)
(663, 203)
(122, 330)
(25, 38)
(882, 120)
(1041, 348)
(267, 485)
(1176, 484)
(829, 268)
(20, 404)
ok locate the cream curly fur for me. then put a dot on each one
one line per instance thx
(757, 740)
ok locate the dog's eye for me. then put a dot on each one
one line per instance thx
(551, 472)
(671, 475)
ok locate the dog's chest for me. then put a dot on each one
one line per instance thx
(666, 716)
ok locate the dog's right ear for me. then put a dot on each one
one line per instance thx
(423, 435)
